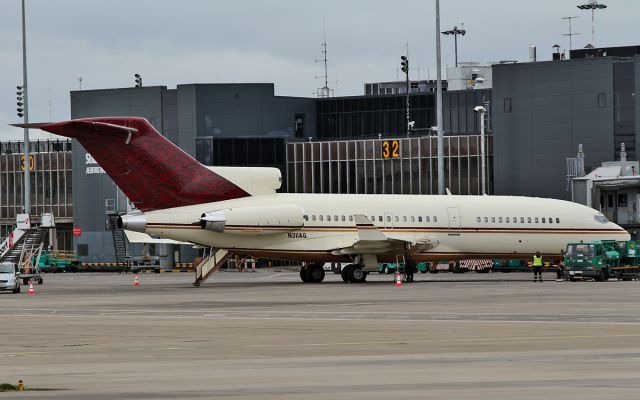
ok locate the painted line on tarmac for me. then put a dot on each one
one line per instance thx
(344, 319)
(471, 340)
(273, 276)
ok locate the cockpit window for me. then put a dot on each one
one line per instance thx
(601, 218)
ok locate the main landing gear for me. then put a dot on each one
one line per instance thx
(312, 273)
(353, 273)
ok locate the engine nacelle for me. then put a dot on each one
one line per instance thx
(254, 220)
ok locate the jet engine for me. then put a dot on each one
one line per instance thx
(254, 220)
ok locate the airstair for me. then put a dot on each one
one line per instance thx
(9, 242)
(26, 252)
(210, 264)
(119, 243)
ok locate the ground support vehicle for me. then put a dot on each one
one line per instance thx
(601, 260)
(31, 274)
(390, 268)
(509, 265)
(57, 261)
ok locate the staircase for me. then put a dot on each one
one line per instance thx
(210, 264)
(9, 242)
(119, 242)
(28, 246)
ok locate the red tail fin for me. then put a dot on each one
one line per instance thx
(150, 170)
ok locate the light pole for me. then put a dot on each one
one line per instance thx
(481, 110)
(439, 104)
(27, 160)
(455, 32)
(592, 5)
(405, 69)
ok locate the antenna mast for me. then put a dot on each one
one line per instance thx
(324, 91)
(570, 34)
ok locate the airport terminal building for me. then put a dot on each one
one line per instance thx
(538, 114)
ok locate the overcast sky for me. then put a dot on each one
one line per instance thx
(171, 42)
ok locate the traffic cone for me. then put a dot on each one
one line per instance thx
(136, 282)
(398, 279)
(31, 291)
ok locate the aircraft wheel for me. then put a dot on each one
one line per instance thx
(346, 273)
(358, 275)
(315, 273)
(304, 274)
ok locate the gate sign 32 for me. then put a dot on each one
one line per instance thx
(391, 149)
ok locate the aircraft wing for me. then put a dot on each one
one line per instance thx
(137, 237)
(372, 240)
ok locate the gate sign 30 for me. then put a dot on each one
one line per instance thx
(32, 162)
(391, 149)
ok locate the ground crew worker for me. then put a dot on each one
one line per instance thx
(409, 268)
(537, 267)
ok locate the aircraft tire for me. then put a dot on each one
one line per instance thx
(357, 275)
(304, 274)
(346, 273)
(315, 273)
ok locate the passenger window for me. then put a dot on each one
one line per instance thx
(557, 220)
(373, 219)
(388, 218)
(335, 218)
(427, 219)
(404, 218)
(478, 219)
(493, 220)
(550, 220)
(321, 218)
(343, 218)
(328, 217)
(419, 219)
(529, 220)
(350, 217)
(544, 221)
(536, 220)
(313, 217)
(500, 219)
(486, 220)
(507, 220)
(397, 219)
(522, 220)
(413, 219)
(306, 217)
(435, 219)
(380, 218)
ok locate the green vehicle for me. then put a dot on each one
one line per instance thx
(58, 261)
(509, 265)
(390, 268)
(600, 260)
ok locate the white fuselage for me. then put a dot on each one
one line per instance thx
(463, 227)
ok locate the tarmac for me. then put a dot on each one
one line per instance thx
(266, 335)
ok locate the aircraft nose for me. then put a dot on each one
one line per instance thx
(623, 237)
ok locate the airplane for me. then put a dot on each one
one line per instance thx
(239, 210)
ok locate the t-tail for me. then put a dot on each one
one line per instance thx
(153, 172)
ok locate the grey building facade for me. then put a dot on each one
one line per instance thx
(542, 111)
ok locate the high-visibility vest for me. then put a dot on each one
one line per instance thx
(537, 261)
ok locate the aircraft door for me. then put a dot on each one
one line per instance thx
(388, 220)
(454, 221)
